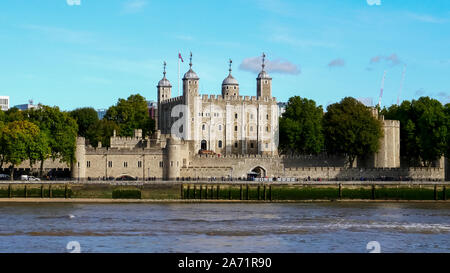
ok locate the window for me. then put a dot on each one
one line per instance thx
(235, 145)
(251, 145)
(203, 127)
(251, 128)
(125, 164)
(235, 94)
(171, 163)
(267, 129)
(139, 164)
(220, 127)
(251, 116)
(267, 145)
(110, 164)
(161, 164)
(235, 87)
(220, 144)
(88, 164)
(235, 115)
(267, 116)
(235, 128)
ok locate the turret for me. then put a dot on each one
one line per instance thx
(164, 93)
(172, 160)
(190, 83)
(230, 86)
(79, 166)
(263, 82)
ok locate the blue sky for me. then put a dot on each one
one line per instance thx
(96, 52)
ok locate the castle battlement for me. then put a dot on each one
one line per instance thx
(219, 98)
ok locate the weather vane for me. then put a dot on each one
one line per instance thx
(263, 59)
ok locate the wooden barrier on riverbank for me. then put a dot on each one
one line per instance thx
(259, 192)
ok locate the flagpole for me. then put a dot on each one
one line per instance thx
(178, 74)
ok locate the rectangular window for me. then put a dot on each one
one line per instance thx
(125, 164)
(235, 145)
(88, 164)
(235, 128)
(139, 164)
(161, 164)
(110, 164)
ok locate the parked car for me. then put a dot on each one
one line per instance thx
(126, 178)
(29, 178)
(5, 176)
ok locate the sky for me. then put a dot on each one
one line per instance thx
(90, 53)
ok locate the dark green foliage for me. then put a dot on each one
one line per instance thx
(301, 127)
(126, 194)
(86, 118)
(303, 193)
(103, 131)
(357, 193)
(350, 129)
(424, 129)
(404, 193)
(131, 114)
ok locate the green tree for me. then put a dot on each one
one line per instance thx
(61, 130)
(301, 127)
(131, 114)
(350, 129)
(102, 131)
(424, 130)
(86, 118)
(447, 114)
(16, 139)
(39, 150)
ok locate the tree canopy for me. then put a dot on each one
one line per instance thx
(131, 114)
(301, 127)
(350, 129)
(424, 129)
(18, 141)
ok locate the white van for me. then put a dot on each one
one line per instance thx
(29, 178)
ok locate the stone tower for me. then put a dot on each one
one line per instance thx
(164, 93)
(230, 86)
(79, 167)
(263, 82)
(172, 160)
(191, 100)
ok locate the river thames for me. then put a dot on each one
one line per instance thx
(207, 227)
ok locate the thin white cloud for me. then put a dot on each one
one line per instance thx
(63, 34)
(289, 40)
(134, 6)
(184, 37)
(425, 18)
(253, 64)
(336, 63)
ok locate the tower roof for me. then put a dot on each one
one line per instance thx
(191, 75)
(263, 74)
(164, 82)
(230, 80)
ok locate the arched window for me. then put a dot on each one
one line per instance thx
(235, 115)
(220, 127)
(220, 144)
(203, 127)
